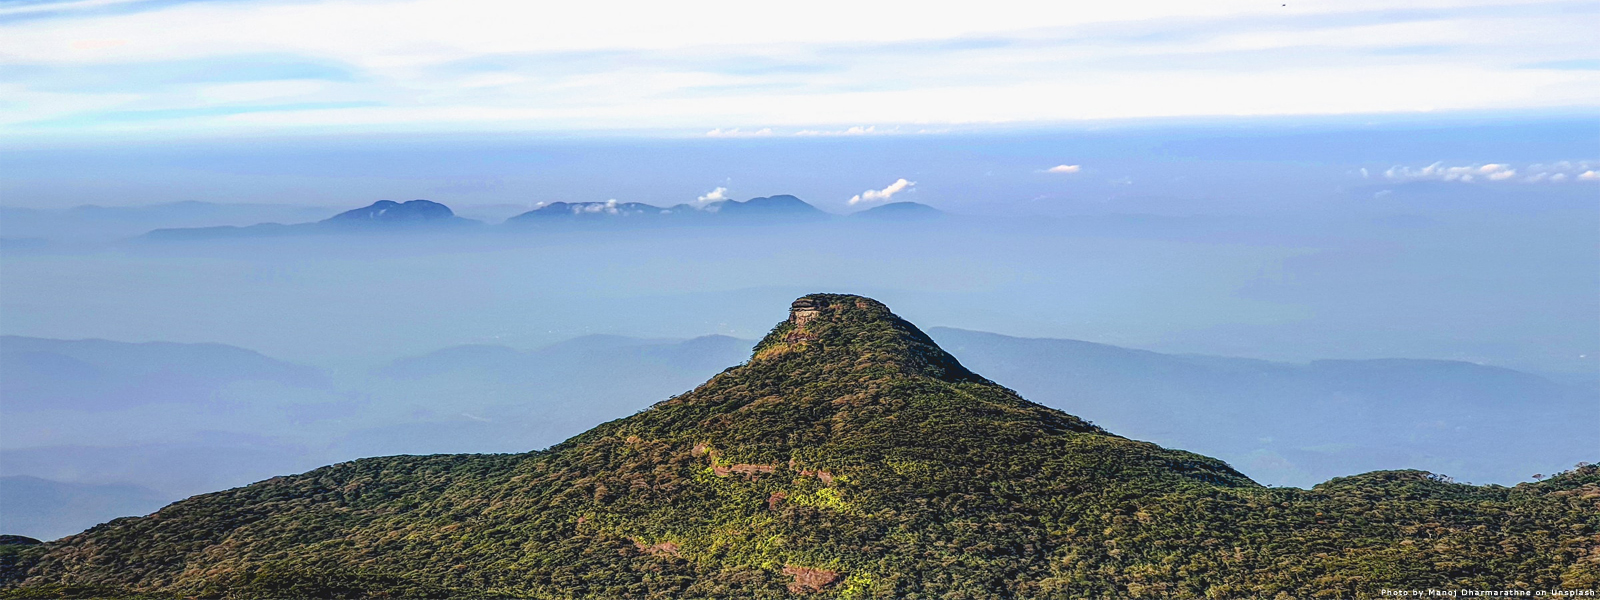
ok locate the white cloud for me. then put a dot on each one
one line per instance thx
(1590, 175)
(1439, 172)
(413, 64)
(883, 195)
(1560, 171)
(609, 207)
(1556, 172)
(1501, 173)
(45, 7)
(1064, 169)
(716, 195)
(856, 130)
(736, 132)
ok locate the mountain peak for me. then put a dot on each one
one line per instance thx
(839, 328)
(389, 211)
(768, 206)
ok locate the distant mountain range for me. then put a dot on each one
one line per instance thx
(427, 216)
(1303, 423)
(92, 375)
(46, 510)
(101, 223)
(774, 208)
(901, 211)
(383, 216)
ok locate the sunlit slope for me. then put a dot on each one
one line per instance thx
(849, 457)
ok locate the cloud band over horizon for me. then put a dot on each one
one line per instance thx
(104, 67)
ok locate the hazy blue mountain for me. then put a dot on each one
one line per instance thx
(424, 215)
(772, 209)
(603, 213)
(179, 418)
(98, 223)
(494, 398)
(391, 213)
(608, 352)
(781, 207)
(46, 510)
(39, 374)
(901, 211)
(206, 462)
(380, 216)
(1298, 424)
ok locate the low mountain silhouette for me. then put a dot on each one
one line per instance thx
(772, 209)
(90, 375)
(849, 457)
(47, 509)
(423, 215)
(1301, 423)
(591, 212)
(389, 212)
(610, 212)
(380, 216)
(901, 211)
(93, 223)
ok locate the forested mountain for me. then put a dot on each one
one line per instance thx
(849, 457)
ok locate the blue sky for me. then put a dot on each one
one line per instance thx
(119, 68)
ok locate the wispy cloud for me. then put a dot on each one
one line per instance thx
(622, 64)
(1493, 172)
(883, 195)
(736, 132)
(1064, 169)
(856, 130)
(42, 8)
(1438, 171)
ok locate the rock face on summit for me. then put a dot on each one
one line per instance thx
(850, 457)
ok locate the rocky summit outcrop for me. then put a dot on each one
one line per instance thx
(850, 457)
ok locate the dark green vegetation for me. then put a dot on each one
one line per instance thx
(852, 458)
